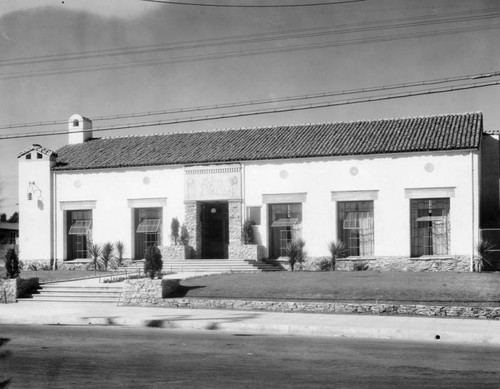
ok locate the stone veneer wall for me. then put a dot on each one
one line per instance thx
(326, 307)
(175, 253)
(192, 212)
(8, 290)
(235, 223)
(451, 263)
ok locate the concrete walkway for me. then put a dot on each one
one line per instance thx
(447, 330)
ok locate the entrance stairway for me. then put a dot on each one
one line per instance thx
(210, 266)
(71, 292)
(91, 291)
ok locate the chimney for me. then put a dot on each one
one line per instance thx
(79, 129)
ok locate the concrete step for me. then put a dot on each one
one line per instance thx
(73, 293)
(210, 265)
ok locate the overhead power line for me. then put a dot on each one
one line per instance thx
(284, 99)
(418, 21)
(253, 6)
(241, 54)
(365, 99)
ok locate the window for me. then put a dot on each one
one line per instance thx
(430, 226)
(285, 222)
(253, 213)
(76, 123)
(355, 226)
(39, 156)
(28, 156)
(79, 233)
(147, 228)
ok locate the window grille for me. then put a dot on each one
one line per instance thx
(357, 221)
(355, 227)
(430, 227)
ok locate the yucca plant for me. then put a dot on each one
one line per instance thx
(107, 254)
(484, 260)
(95, 252)
(120, 250)
(295, 253)
(337, 250)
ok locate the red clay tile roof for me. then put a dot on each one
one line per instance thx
(434, 133)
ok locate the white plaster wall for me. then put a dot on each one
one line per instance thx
(111, 190)
(35, 215)
(390, 175)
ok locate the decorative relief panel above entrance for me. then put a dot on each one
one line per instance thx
(216, 182)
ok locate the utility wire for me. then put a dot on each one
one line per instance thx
(285, 99)
(358, 100)
(252, 6)
(263, 37)
(241, 54)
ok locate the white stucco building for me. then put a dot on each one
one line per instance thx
(398, 192)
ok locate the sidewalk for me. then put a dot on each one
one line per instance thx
(349, 326)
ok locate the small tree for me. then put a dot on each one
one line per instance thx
(107, 254)
(153, 263)
(337, 250)
(120, 249)
(247, 232)
(95, 252)
(12, 264)
(184, 239)
(295, 252)
(174, 230)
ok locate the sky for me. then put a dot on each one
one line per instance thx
(129, 57)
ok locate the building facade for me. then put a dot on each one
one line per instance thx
(398, 192)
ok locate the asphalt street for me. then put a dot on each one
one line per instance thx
(117, 357)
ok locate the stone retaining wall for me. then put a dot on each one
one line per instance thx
(147, 292)
(448, 263)
(8, 290)
(326, 307)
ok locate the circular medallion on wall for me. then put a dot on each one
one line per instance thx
(146, 180)
(283, 174)
(429, 167)
(353, 171)
(77, 184)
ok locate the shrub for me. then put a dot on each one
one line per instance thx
(120, 249)
(337, 250)
(247, 232)
(37, 266)
(184, 239)
(12, 264)
(153, 263)
(174, 230)
(295, 252)
(360, 266)
(324, 265)
(107, 254)
(484, 260)
(95, 252)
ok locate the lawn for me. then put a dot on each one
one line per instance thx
(58, 275)
(398, 287)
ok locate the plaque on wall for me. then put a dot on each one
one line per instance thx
(216, 182)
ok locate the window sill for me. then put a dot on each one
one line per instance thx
(351, 259)
(432, 257)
